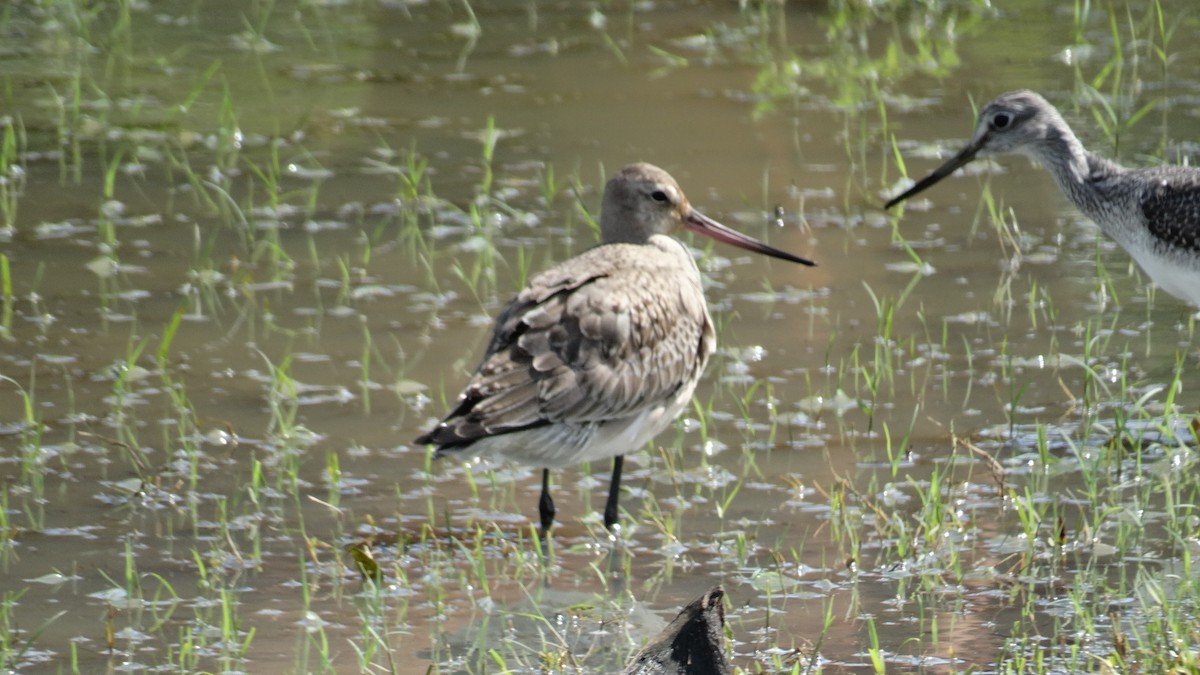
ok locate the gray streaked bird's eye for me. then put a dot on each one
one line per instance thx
(1001, 121)
(660, 196)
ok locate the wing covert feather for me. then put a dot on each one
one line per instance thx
(602, 336)
(1171, 205)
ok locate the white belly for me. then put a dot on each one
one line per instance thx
(554, 446)
(1175, 276)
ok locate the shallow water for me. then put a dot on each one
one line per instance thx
(254, 251)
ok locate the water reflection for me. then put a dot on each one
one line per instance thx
(243, 247)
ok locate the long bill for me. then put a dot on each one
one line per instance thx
(702, 224)
(965, 155)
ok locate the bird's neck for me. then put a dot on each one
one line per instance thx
(618, 226)
(1080, 174)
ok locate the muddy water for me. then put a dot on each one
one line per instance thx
(181, 497)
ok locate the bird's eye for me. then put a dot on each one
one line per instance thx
(660, 197)
(1001, 121)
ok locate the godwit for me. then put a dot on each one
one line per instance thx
(1153, 212)
(601, 352)
(692, 644)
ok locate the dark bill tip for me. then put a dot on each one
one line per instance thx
(965, 155)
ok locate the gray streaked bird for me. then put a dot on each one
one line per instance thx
(692, 644)
(601, 352)
(1152, 212)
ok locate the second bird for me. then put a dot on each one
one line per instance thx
(1153, 212)
(601, 352)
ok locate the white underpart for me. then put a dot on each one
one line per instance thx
(1180, 280)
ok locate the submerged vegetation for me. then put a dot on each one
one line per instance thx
(248, 250)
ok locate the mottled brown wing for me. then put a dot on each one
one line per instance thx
(600, 337)
(1171, 204)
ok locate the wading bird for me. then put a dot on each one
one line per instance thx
(1153, 212)
(692, 644)
(601, 352)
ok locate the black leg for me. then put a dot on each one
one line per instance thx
(546, 503)
(614, 494)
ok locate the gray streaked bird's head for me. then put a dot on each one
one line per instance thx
(1018, 121)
